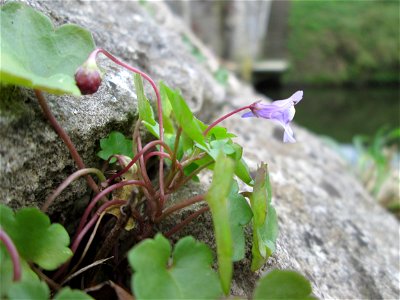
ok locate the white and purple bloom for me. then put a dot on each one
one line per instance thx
(280, 111)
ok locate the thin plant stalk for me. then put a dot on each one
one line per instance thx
(68, 181)
(178, 183)
(65, 137)
(138, 155)
(102, 194)
(89, 242)
(143, 170)
(83, 232)
(176, 145)
(50, 282)
(219, 120)
(159, 108)
(12, 250)
(183, 204)
(189, 219)
(156, 153)
(149, 193)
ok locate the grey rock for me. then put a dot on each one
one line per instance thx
(32, 159)
(331, 230)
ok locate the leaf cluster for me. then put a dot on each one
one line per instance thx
(38, 242)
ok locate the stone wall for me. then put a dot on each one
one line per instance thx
(331, 230)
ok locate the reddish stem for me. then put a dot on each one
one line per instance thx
(153, 204)
(99, 196)
(65, 137)
(182, 224)
(180, 205)
(219, 120)
(143, 169)
(93, 220)
(174, 185)
(83, 232)
(12, 250)
(156, 153)
(137, 156)
(159, 107)
(68, 181)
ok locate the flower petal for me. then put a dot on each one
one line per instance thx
(288, 135)
(296, 97)
(248, 115)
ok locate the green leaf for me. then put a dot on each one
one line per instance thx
(145, 110)
(68, 294)
(34, 54)
(260, 199)
(184, 116)
(217, 199)
(265, 221)
(7, 271)
(29, 290)
(166, 109)
(115, 143)
(218, 132)
(240, 214)
(242, 171)
(185, 276)
(36, 239)
(282, 284)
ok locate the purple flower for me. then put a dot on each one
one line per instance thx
(280, 111)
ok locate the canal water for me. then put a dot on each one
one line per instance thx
(342, 113)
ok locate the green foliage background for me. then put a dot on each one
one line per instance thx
(337, 42)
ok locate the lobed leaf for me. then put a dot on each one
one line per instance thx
(6, 272)
(36, 239)
(217, 199)
(34, 54)
(29, 290)
(157, 276)
(115, 143)
(282, 284)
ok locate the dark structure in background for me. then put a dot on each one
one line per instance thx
(250, 35)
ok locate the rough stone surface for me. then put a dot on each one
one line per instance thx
(32, 159)
(331, 230)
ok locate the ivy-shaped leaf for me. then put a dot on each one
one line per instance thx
(265, 222)
(217, 199)
(29, 290)
(68, 294)
(36, 239)
(115, 143)
(146, 113)
(188, 275)
(6, 272)
(282, 284)
(36, 55)
(240, 215)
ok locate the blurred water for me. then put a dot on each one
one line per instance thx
(342, 113)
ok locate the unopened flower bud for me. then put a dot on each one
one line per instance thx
(88, 77)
